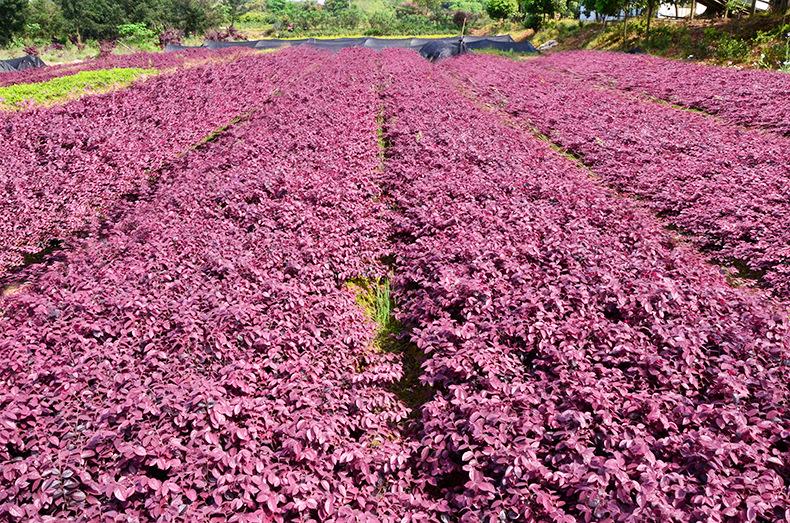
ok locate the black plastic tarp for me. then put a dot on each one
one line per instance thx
(20, 64)
(172, 48)
(432, 48)
(387, 43)
(336, 43)
(501, 38)
(440, 49)
(516, 47)
(276, 44)
(216, 44)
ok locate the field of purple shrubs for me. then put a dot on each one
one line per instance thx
(723, 186)
(358, 286)
(751, 98)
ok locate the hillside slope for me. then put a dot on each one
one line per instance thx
(761, 41)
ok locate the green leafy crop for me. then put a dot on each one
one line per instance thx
(69, 87)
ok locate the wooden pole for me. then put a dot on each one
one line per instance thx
(693, 9)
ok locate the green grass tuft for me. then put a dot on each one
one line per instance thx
(69, 87)
(381, 137)
(374, 298)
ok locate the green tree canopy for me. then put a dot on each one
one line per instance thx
(336, 6)
(194, 16)
(502, 9)
(92, 18)
(235, 8)
(45, 21)
(12, 19)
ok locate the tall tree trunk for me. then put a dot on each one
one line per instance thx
(649, 17)
(625, 25)
(754, 6)
(693, 9)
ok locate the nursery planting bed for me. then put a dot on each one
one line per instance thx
(751, 98)
(724, 186)
(355, 286)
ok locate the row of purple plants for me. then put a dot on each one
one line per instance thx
(585, 367)
(63, 166)
(144, 60)
(725, 186)
(199, 357)
(746, 97)
(203, 360)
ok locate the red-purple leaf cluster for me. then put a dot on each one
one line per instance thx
(726, 186)
(747, 97)
(65, 166)
(203, 358)
(584, 367)
(199, 357)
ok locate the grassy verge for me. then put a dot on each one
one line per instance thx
(69, 87)
(68, 54)
(507, 54)
(756, 41)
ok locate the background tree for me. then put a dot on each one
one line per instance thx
(502, 9)
(12, 19)
(460, 19)
(152, 13)
(194, 16)
(651, 7)
(473, 7)
(429, 6)
(92, 18)
(138, 36)
(572, 8)
(543, 9)
(45, 21)
(607, 8)
(236, 8)
(610, 8)
(337, 6)
(276, 6)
